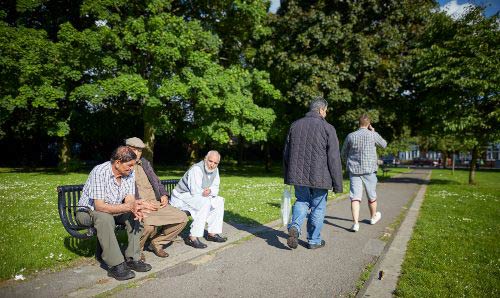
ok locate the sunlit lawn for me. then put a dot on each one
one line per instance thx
(454, 250)
(33, 238)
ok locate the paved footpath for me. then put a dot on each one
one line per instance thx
(255, 262)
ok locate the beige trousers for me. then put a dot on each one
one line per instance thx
(170, 221)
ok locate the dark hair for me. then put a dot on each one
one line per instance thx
(364, 119)
(123, 154)
(318, 103)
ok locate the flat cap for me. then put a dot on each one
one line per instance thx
(135, 142)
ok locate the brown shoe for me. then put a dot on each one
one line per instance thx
(158, 250)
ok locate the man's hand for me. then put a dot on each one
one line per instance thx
(141, 208)
(370, 127)
(163, 201)
(206, 192)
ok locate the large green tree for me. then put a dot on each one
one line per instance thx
(36, 80)
(240, 25)
(353, 53)
(40, 68)
(458, 80)
(167, 69)
(179, 66)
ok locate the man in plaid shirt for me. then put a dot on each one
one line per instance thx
(360, 153)
(108, 197)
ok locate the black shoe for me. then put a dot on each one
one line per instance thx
(121, 272)
(194, 243)
(293, 237)
(314, 246)
(138, 266)
(216, 238)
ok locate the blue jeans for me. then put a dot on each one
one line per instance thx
(315, 200)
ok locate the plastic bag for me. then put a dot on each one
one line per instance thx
(286, 205)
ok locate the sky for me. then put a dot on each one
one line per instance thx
(457, 7)
(452, 7)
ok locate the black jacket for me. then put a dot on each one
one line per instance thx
(311, 156)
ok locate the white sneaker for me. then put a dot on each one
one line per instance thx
(355, 227)
(376, 218)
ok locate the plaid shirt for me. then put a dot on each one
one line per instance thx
(360, 152)
(102, 185)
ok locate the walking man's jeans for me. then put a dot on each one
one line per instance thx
(313, 199)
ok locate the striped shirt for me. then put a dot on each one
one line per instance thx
(102, 185)
(360, 152)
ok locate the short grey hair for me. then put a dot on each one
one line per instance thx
(211, 152)
(317, 104)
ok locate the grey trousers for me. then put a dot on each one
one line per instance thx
(104, 223)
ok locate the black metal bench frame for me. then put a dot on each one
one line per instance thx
(385, 169)
(68, 197)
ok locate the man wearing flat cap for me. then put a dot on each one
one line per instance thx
(170, 220)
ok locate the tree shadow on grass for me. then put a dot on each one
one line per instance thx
(277, 205)
(246, 170)
(50, 171)
(444, 182)
(409, 180)
(81, 247)
(405, 179)
(270, 235)
(87, 247)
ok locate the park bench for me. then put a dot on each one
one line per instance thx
(385, 169)
(68, 197)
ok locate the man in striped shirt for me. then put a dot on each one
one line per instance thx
(360, 152)
(108, 197)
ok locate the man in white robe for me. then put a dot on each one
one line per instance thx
(198, 193)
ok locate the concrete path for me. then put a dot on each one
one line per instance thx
(255, 262)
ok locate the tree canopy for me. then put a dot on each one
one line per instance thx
(229, 75)
(353, 53)
(458, 80)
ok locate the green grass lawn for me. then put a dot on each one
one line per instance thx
(33, 238)
(454, 250)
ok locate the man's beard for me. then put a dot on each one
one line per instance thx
(208, 170)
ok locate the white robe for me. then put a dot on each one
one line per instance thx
(203, 210)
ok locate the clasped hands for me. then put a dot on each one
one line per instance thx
(206, 192)
(141, 208)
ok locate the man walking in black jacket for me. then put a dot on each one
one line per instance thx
(312, 165)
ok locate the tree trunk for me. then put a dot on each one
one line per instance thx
(453, 164)
(241, 148)
(193, 152)
(444, 159)
(149, 140)
(473, 165)
(268, 156)
(64, 154)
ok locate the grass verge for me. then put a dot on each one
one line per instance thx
(454, 248)
(365, 275)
